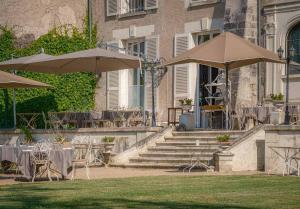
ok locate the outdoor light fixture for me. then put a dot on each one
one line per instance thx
(290, 55)
(157, 70)
(280, 52)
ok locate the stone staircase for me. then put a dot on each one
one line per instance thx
(176, 150)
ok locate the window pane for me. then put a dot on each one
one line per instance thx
(294, 40)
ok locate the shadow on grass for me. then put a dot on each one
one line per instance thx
(38, 197)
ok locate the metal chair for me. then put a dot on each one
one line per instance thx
(81, 157)
(97, 155)
(40, 160)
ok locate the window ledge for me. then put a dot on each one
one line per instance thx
(131, 14)
(202, 3)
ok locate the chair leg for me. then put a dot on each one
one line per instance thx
(73, 172)
(49, 172)
(34, 173)
(87, 171)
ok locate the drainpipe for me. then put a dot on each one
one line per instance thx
(258, 43)
(90, 21)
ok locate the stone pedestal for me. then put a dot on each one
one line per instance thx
(223, 161)
(277, 117)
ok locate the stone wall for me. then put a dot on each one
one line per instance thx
(280, 136)
(241, 19)
(246, 154)
(33, 18)
(126, 136)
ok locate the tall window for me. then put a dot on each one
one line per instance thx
(132, 6)
(136, 81)
(207, 75)
(294, 40)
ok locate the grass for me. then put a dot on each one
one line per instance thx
(237, 192)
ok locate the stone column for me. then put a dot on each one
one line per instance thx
(241, 19)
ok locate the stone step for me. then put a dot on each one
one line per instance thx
(175, 155)
(208, 133)
(167, 160)
(183, 149)
(150, 165)
(193, 139)
(184, 144)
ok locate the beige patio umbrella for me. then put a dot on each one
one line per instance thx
(92, 60)
(23, 63)
(227, 51)
(8, 80)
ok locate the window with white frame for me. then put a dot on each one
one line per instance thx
(124, 7)
(135, 78)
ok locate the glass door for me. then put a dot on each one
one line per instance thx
(207, 91)
(135, 78)
(206, 75)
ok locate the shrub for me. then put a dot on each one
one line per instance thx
(108, 139)
(28, 136)
(223, 138)
(277, 97)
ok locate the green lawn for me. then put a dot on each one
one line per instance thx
(239, 192)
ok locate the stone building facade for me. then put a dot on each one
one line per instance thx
(281, 27)
(166, 28)
(172, 27)
(176, 26)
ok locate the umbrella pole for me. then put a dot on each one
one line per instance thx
(14, 108)
(197, 106)
(227, 98)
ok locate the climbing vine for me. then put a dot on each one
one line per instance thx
(70, 92)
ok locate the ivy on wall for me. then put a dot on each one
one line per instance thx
(70, 92)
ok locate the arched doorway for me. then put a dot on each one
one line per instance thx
(294, 40)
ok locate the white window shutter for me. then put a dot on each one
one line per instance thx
(181, 78)
(113, 81)
(112, 7)
(151, 4)
(152, 52)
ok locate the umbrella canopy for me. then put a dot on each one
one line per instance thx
(8, 80)
(227, 50)
(23, 63)
(92, 60)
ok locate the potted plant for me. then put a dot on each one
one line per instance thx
(224, 139)
(28, 138)
(108, 146)
(61, 140)
(108, 143)
(186, 104)
(277, 100)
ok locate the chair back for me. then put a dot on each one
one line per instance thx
(81, 151)
(41, 152)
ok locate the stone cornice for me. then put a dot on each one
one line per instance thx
(281, 7)
(291, 128)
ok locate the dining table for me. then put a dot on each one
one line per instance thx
(61, 159)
